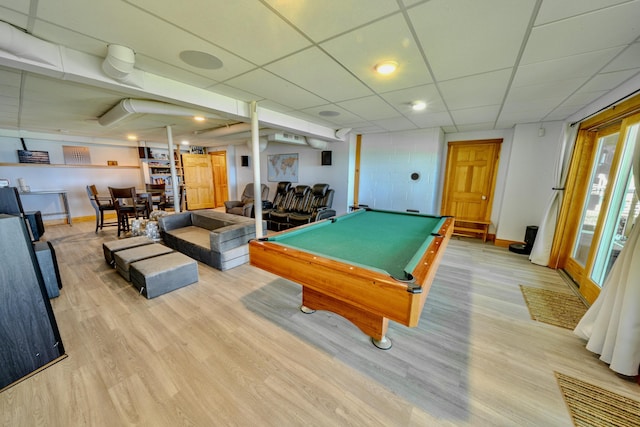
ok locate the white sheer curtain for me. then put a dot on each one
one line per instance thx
(546, 230)
(612, 323)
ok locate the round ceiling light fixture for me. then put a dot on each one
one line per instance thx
(418, 105)
(198, 59)
(387, 67)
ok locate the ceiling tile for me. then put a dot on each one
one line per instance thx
(430, 120)
(629, 58)
(263, 37)
(402, 99)
(556, 10)
(267, 85)
(608, 81)
(396, 124)
(583, 65)
(469, 37)
(323, 76)
(386, 40)
(475, 91)
(548, 90)
(343, 118)
(468, 116)
(327, 18)
(604, 29)
(369, 108)
(476, 127)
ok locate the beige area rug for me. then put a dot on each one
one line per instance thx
(556, 308)
(590, 405)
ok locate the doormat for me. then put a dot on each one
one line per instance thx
(555, 308)
(590, 405)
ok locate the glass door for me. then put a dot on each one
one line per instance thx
(605, 150)
(621, 215)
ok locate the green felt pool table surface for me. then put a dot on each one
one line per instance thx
(383, 240)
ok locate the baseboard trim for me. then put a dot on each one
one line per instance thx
(505, 243)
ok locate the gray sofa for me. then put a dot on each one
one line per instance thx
(212, 237)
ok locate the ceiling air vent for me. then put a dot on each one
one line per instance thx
(287, 138)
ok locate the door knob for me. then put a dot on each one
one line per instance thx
(484, 197)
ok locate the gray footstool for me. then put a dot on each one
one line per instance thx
(126, 257)
(161, 274)
(109, 248)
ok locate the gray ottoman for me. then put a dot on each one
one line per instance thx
(126, 257)
(118, 245)
(161, 274)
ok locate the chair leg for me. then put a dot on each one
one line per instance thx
(97, 221)
(101, 219)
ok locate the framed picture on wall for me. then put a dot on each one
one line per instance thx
(282, 167)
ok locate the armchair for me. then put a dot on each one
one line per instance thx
(317, 206)
(244, 206)
(279, 218)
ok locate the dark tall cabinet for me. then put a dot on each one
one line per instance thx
(29, 336)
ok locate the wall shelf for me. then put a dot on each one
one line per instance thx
(49, 165)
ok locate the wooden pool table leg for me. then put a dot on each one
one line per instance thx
(371, 324)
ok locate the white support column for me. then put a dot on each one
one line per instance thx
(255, 149)
(174, 175)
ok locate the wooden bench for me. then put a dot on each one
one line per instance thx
(471, 228)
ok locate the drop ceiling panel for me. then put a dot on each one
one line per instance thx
(327, 18)
(344, 117)
(389, 39)
(16, 12)
(468, 116)
(543, 91)
(476, 91)
(244, 27)
(323, 76)
(629, 58)
(267, 85)
(430, 120)
(584, 33)
(470, 37)
(396, 124)
(583, 65)
(370, 108)
(402, 99)
(608, 81)
(160, 58)
(556, 10)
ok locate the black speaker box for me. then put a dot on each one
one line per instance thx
(326, 158)
(244, 160)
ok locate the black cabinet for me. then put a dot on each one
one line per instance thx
(29, 336)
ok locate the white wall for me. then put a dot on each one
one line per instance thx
(387, 161)
(73, 179)
(529, 178)
(310, 170)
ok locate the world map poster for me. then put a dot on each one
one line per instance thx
(282, 167)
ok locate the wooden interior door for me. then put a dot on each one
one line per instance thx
(198, 181)
(220, 184)
(470, 179)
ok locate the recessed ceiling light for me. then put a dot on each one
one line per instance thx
(184, 142)
(132, 137)
(418, 105)
(386, 67)
(198, 118)
(328, 113)
(199, 59)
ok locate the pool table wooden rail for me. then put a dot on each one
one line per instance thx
(366, 297)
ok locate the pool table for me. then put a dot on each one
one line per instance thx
(368, 266)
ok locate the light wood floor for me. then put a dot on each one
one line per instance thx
(233, 349)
